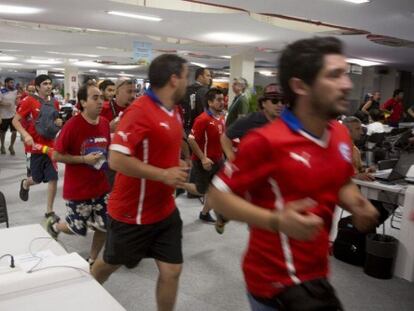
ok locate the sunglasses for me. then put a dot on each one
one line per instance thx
(276, 101)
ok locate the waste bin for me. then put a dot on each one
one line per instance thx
(381, 251)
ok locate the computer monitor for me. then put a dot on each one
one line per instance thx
(402, 167)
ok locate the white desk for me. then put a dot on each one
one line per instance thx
(404, 196)
(82, 293)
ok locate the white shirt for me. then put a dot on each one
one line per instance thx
(375, 127)
(7, 103)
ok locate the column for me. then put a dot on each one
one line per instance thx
(71, 81)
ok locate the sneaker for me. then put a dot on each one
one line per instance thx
(90, 261)
(207, 218)
(49, 226)
(23, 193)
(220, 224)
(51, 214)
(3, 150)
(12, 152)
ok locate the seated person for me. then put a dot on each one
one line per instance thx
(355, 129)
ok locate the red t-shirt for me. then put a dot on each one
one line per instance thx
(29, 110)
(152, 134)
(107, 110)
(78, 137)
(397, 110)
(206, 131)
(277, 164)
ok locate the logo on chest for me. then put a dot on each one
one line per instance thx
(303, 158)
(345, 151)
(165, 125)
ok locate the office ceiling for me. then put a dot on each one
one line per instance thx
(81, 30)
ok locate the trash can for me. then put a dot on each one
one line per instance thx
(381, 251)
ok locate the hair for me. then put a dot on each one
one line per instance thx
(105, 83)
(7, 80)
(397, 92)
(241, 81)
(304, 59)
(89, 78)
(260, 102)
(40, 79)
(199, 72)
(83, 94)
(350, 120)
(163, 67)
(211, 94)
(376, 115)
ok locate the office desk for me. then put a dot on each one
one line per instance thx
(79, 293)
(404, 196)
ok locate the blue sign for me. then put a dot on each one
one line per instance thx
(142, 52)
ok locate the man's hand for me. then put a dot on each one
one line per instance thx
(113, 124)
(364, 215)
(207, 163)
(59, 122)
(28, 140)
(175, 176)
(92, 158)
(296, 222)
(364, 177)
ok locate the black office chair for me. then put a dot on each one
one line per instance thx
(4, 218)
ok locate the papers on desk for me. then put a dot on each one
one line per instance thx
(28, 261)
(383, 173)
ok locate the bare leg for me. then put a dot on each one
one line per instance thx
(207, 207)
(167, 285)
(2, 138)
(51, 194)
(102, 270)
(12, 140)
(97, 243)
(28, 183)
(63, 227)
(191, 188)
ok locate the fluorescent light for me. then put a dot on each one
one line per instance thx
(6, 58)
(226, 80)
(358, 1)
(93, 70)
(267, 73)
(43, 61)
(199, 64)
(14, 9)
(123, 67)
(226, 56)
(136, 16)
(10, 64)
(74, 54)
(59, 75)
(87, 64)
(362, 62)
(58, 69)
(228, 37)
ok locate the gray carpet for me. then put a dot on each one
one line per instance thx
(211, 279)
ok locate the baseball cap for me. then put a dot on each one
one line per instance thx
(273, 91)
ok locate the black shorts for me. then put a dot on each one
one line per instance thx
(7, 124)
(42, 168)
(127, 244)
(202, 177)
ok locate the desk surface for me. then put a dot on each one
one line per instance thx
(83, 293)
(400, 189)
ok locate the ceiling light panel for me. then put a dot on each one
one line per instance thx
(14, 9)
(136, 16)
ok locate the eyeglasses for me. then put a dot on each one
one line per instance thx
(276, 101)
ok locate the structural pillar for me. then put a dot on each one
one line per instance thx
(71, 81)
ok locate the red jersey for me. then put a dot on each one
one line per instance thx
(152, 134)
(29, 110)
(277, 164)
(206, 131)
(78, 137)
(397, 110)
(107, 111)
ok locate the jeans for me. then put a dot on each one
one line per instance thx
(258, 306)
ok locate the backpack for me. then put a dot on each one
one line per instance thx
(45, 122)
(188, 106)
(349, 245)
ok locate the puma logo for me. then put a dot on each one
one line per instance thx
(163, 124)
(304, 158)
(123, 135)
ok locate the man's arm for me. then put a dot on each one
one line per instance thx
(410, 111)
(28, 139)
(367, 105)
(133, 167)
(243, 107)
(205, 161)
(292, 220)
(90, 159)
(227, 146)
(365, 216)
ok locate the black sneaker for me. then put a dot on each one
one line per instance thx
(23, 193)
(207, 218)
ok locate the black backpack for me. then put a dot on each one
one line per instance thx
(349, 245)
(45, 122)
